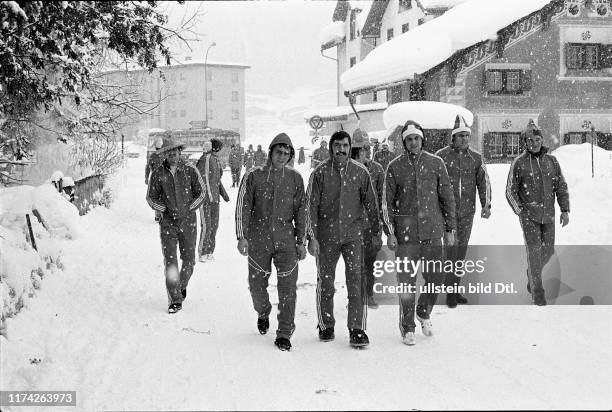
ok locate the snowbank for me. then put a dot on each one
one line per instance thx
(428, 45)
(430, 115)
(21, 266)
(332, 33)
(440, 4)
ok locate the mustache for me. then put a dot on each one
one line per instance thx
(341, 153)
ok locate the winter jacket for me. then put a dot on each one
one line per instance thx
(337, 197)
(384, 157)
(533, 182)
(211, 170)
(319, 156)
(155, 161)
(259, 158)
(417, 201)
(249, 159)
(467, 172)
(271, 205)
(235, 160)
(176, 196)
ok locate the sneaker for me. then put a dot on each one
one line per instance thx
(184, 293)
(283, 344)
(203, 258)
(451, 300)
(426, 326)
(358, 338)
(174, 307)
(372, 304)
(326, 335)
(263, 324)
(539, 301)
(409, 339)
(462, 300)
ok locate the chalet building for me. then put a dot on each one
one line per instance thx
(359, 27)
(552, 65)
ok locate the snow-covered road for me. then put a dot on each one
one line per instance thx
(101, 328)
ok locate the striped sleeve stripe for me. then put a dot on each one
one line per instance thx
(385, 210)
(309, 229)
(371, 186)
(155, 205)
(488, 184)
(200, 198)
(241, 191)
(509, 194)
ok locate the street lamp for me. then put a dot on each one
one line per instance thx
(205, 84)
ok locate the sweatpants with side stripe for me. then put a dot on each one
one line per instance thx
(326, 274)
(459, 250)
(181, 232)
(209, 223)
(427, 250)
(540, 244)
(260, 268)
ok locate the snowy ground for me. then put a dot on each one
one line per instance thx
(101, 328)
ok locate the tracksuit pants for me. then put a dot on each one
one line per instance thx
(235, 177)
(369, 257)
(432, 250)
(183, 232)
(326, 273)
(540, 245)
(209, 223)
(459, 250)
(260, 267)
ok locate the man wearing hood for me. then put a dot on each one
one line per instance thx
(339, 191)
(467, 172)
(249, 158)
(271, 225)
(534, 180)
(211, 170)
(418, 210)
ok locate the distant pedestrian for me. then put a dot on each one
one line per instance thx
(176, 190)
(384, 156)
(211, 170)
(235, 163)
(534, 180)
(154, 161)
(301, 157)
(271, 225)
(320, 155)
(260, 157)
(249, 159)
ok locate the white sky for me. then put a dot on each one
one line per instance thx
(279, 39)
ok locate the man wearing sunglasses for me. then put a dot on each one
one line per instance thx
(271, 225)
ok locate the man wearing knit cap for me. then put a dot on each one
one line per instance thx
(271, 226)
(467, 172)
(211, 170)
(534, 180)
(339, 191)
(418, 209)
(320, 155)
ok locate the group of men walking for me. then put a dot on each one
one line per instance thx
(424, 202)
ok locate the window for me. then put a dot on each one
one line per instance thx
(235, 114)
(582, 56)
(235, 78)
(353, 24)
(394, 95)
(209, 75)
(235, 97)
(389, 34)
(209, 95)
(374, 97)
(353, 61)
(405, 27)
(183, 113)
(421, 21)
(210, 114)
(502, 144)
(575, 138)
(511, 81)
(404, 5)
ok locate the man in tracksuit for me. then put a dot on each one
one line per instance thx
(176, 190)
(371, 246)
(418, 210)
(384, 156)
(235, 163)
(534, 180)
(271, 225)
(211, 170)
(467, 172)
(338, 191)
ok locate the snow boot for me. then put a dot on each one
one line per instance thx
(263, 324)
(462, 300)
(283, 344)
(426, 326)
(184, 293)
(451, 300)
(175, 307)
(409, 339)
(372, 304)
(326, 335)
(358, 338)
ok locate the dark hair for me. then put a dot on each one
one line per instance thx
(355, 152)
(216, 144)
(285, 146)
(339, 135)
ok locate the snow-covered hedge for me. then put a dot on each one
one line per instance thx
(21, 266)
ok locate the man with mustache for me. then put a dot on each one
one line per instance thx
(339, 191)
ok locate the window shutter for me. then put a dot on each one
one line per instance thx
(489, 80)
(486, 145)
(571, 60)
(566, 138)
(526, 80)
(605, 56)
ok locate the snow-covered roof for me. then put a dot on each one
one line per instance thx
(345, 110)
(430, 44)
(440, 4)
(430, 115)
(332, 34)
(209, 63)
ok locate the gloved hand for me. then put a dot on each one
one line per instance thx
(449, 238)
(243, 247)
(313, 247)
(392, 242)
(564, 219)
(485, 213)
(301, 251)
